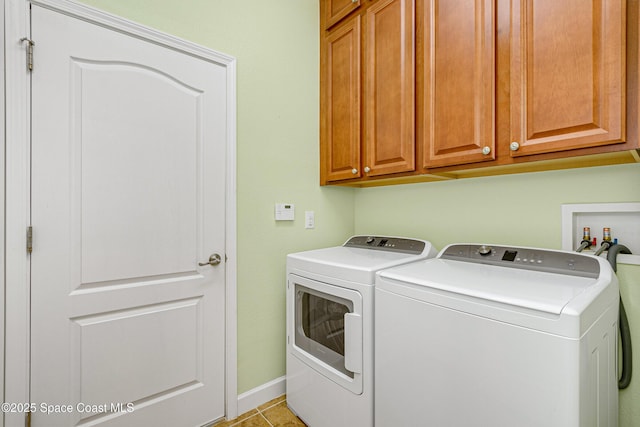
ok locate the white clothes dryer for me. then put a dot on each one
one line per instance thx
(497, 336)
(330, 327)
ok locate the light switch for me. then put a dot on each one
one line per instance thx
(309, 219)
(285, 212)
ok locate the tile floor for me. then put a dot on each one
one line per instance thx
(272, 414)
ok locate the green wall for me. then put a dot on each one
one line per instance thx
(276, 46)
(520, 209)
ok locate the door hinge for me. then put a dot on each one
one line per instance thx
(27, 419)
(29, 239)
(30, 44)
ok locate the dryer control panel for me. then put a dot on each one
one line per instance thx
(392, 244)
(546, 260)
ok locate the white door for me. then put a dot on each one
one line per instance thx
(128, 196)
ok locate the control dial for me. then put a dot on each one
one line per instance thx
(485, 250)
(370, 240)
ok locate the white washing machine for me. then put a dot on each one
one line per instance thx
(330, 327)
(497, 336)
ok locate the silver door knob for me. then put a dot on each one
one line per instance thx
(213, 260)
(367, 169)
(486, 150)
(354, 171)
(514, 146)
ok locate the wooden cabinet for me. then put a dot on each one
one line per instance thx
(368, 113)
(456, 81)
(389, 95)
(567, 75)
(442, 87)
(335, 10)
(563, 81)
(340, 103)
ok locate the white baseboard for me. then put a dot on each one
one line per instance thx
(261, 394)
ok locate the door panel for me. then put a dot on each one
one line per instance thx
(142, 351)
(164, 196)
(455, 84)
(128, 190)
(335, 10)
(389, 87)
(567, 75)
(340, 129)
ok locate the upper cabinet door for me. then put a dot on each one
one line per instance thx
(340, 102)
(389, 91)
(456, 81)
(567, 74)
(335, 10)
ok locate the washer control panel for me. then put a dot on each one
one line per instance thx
(392, 244)
(570, 263)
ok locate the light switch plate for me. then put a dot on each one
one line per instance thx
(309, 219)
(285, 212)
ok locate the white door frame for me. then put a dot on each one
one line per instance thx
(16, 168)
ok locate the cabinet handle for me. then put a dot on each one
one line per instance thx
(514, 146)
(354, 171)
(486, 150)
(367, 169)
